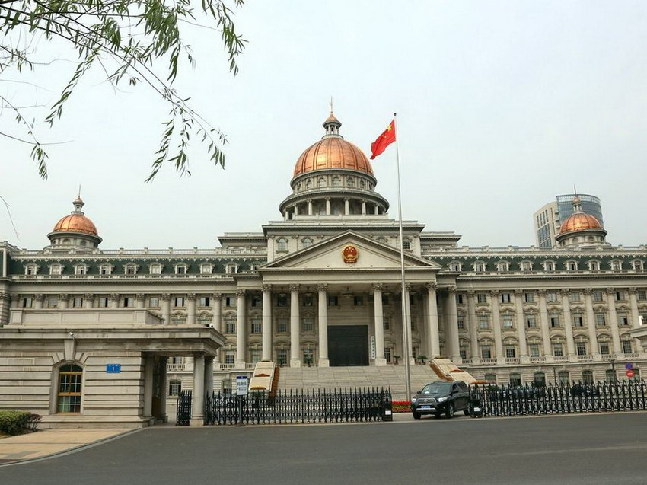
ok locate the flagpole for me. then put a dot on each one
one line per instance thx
(405, 319)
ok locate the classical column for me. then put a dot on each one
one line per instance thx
(363, 207)
(496, 327)
(521, 327)
(590, 324)
(452, 328)
(267, 322)
(473, 327)
(139, 301)
(88, 300)
(613, 320)
(635, 317)
(217, 311)
(197, 404)
(543, 325)
(63, 300)
(38, 301)
(309, 207)
(568, 324)
(327, 206)
(241, 330)
(190, 318)
(378, 322)
(208, 375)
(166, 308)
(295, 341)
(149, 367)
(433, 339)
(323, 325)
(346, 207)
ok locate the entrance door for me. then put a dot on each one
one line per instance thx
(348, 345)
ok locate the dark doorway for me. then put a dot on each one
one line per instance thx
(348, 345)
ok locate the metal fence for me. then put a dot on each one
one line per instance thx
(577, 397)
(291, 407)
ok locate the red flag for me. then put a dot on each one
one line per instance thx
(384, 140)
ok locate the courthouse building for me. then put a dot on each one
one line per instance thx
(320, 287)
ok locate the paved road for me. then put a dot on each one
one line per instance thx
(576, 449)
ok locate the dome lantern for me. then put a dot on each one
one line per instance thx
(74, 231)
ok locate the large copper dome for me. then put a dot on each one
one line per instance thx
(76, 221)
(332, 152)
(579, 221)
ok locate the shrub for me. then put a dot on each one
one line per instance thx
(17, 422)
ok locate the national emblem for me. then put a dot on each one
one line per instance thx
(350, 253)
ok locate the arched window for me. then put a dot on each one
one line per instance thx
(68, 395)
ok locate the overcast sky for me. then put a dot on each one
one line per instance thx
(501, 106)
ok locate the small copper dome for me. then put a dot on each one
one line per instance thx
(580, 221)
(76, 221)
(332, 152)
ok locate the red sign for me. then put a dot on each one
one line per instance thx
(629, 373)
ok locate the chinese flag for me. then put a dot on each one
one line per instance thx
(384, 140)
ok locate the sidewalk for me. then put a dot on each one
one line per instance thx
(51, 442)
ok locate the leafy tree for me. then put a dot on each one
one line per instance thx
(124, 38)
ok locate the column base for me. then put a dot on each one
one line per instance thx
(379, 362)
(295, 363)
(323, 363)
(197, 421)
(239, 365)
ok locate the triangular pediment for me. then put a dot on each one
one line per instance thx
(332, 254)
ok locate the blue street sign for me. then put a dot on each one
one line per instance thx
(629, 366)
(113, 368)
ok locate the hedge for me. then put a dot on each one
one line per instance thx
(17, 422)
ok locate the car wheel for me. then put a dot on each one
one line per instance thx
(449, 411)
(416, 415)
(437, 415)
(467, 412)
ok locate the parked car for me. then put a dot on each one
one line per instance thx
(441, 397)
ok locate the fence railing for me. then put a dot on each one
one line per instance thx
(576, 397)
(291, 407)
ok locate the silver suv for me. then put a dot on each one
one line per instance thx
(441, 397)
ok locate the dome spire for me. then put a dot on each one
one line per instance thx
(78, 203)
(332, 124)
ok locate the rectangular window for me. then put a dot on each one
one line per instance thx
(597, 296)
(484, 322)
(307, 324)
(178, 301)
(600, 320)
(282, 300)
(580, 348)
(481, 297)
(255, 355)
(230, 357)
(308, 357)
(486, 352)
(558, 350)
(103, 302)
(174, 388)
(282, 325)
(642, 295)
(131, 270)
(460, 323)
(77, 302)
(204, 301)
(507, 321)
(531, 321)
(620, 296)
(604, 348)
(623, 319)
(307, 300)
(256, 301)
(506, 297)
(387, 354)
(533, 349)
(332, 300)
(358, 301)
(80, 270)
(27, 302)
(626, 347)
(55, 270)
(510, 352)
(387, 323)
(463, 353)
(154, 302)
(554, 320)
(282, 357)
(129, 302)
(574, 296)
(156, 269)
(551, 297)
(180, 269)
(529, 297)
(230, 301)
(230, 325)
(578, 320)
(459, 298)
(385, 299)
(257, 325)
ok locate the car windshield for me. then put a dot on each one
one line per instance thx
(437, 388)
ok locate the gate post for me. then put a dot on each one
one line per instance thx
(197, 411)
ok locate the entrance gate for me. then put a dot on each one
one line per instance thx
(348, 345)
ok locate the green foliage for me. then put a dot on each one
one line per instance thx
(17, 422)
(125, 38)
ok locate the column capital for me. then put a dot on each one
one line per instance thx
(610, 291)
(240, 292)
(632, 290)
(494, 293)
(266, 287)
(217, 296)
(377, 286)
(518, 292)
(294, 287)
(588, 291)
(4, 296)
(65, 296)
(37, 297)
(431, 285)
(451, 289)
(471, 293)
(87, 296)
(190, 296)
(166, 297)
(138, 296)
(565, 291)
(322, 287)
(542, 292)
